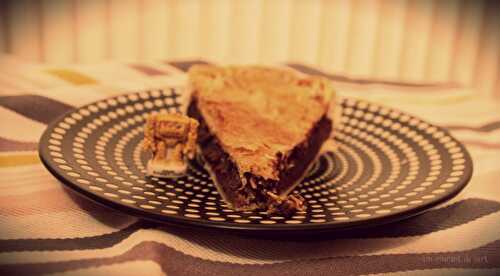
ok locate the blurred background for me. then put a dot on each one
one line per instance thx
(449, 41)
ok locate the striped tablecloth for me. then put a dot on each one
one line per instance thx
(46, 229)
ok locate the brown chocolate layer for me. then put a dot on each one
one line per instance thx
(294, 165)
(221, 165)
(252, 192)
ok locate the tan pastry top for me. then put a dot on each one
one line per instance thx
(259, 112)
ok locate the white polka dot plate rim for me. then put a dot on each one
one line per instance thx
(389, 166)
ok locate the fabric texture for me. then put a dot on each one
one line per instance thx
(46, 229)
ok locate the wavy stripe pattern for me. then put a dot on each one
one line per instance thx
(38, 108)
(18, 160)
(488, 127)
(456, 214)
(44, 229)
(186, 64)
(173, 262)
(340, 78)
(247, 250)
(10, 145)
(94, 242)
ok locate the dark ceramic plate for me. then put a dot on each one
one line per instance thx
(389, 166)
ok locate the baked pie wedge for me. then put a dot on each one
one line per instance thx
(260, 130)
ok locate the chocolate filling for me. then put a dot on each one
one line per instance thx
(255, 191)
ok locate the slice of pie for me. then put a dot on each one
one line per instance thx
(260, 130)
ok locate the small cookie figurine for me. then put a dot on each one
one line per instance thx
(171, 138)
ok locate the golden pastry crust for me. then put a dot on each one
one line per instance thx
(258, 112)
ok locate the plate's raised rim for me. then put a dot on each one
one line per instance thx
(253, 228)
